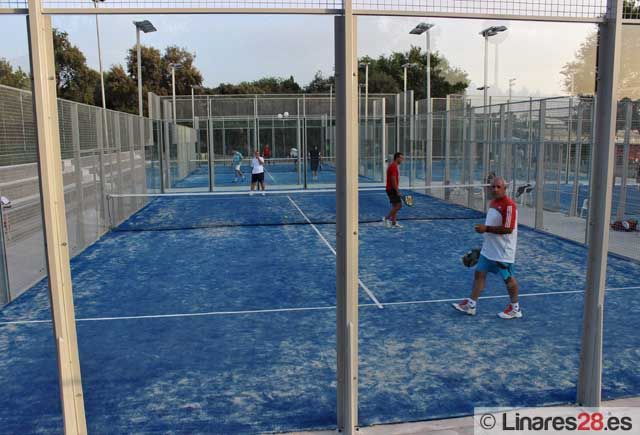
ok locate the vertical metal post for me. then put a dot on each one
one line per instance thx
(210, 156)
(590, 375)
(304, 142)
(594, 111)
(502, 148)
(299, 140)
(384, 140)
(539, 213)
(347, 219)
(557, 145)
(396, 147)
(428, 174)
(139, 54)
(530, 141)
(513, 147)
(622, 203)
(473, 150)
(79, 191)
(256, 124)
(412, 138)
(569, 140)
(101, 135)
(5, 287)
(447, 148)
(53, 212)
(575, 195)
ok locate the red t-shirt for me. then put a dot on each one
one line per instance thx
(266, 152)
(392, 171)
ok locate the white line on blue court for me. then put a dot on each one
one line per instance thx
(291, 310)
(326, 242)
(269, 174)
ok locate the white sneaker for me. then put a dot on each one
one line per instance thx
(386, 222)
(510, 313)
(396, 225)
(465, 307)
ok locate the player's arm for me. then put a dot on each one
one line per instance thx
(395, 185)
(481, 228)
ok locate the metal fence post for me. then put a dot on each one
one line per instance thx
(590, 374)
(79, 190)
(575, 195)
(539, 213)
(53, 212)
(347, 220)
(622, 203)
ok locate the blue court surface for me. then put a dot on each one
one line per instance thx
(231, 329)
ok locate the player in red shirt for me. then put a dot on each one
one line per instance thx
(266, 153)
(393, 191)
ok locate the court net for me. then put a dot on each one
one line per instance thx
(175, 211)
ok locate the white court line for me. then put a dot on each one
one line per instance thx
(285, 310)
(269, 174)
(364, 287)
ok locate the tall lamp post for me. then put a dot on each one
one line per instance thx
(486, 34)
(174, 67)
(146, 27)
(428, 152)
(193, 104)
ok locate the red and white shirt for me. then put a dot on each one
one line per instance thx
(501, 247)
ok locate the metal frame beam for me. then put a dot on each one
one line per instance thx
(590, 375)
(347, 219)
(55, 225)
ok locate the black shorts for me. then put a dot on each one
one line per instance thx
(394, 198)
(314, 165)
(257, 178)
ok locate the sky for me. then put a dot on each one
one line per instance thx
(234, 48)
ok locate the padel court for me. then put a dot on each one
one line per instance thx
(217, 315)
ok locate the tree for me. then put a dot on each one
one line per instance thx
(580, 73)
(186, 76)
(267, 85)
(320, 83)
(121, 91)
(75, 80)
(14, 78)
(151, 72)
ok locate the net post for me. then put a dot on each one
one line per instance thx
(590, 374)
(347, 219)
(573, 209)
(53, 212)
(539, 210)
(622, 203)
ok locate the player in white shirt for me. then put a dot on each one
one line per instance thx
(257, 171)
(498, 252)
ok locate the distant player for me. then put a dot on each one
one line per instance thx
(257, 171)
(498, 251)
(314, 161)
(237, 166)
(393, 191)
(266, 152)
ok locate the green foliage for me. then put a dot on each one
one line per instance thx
(581, 70)
(186, 76)
(15, 78)
(121, 90)
(75, 80)
(268, 85)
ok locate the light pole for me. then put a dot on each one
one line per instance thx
(174, 67)
(406, 66)
(486, 34)
(512, 83)
(193, 104)
(146, 27)
(104, 103)
(418, 30)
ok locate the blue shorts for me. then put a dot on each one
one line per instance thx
(505, 270)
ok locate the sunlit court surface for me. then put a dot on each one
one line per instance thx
(197, 235)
